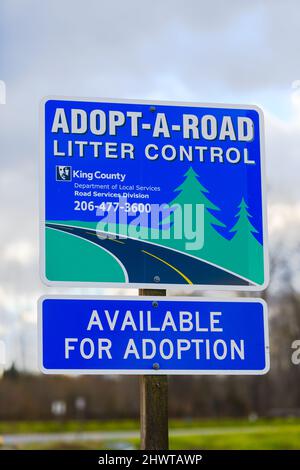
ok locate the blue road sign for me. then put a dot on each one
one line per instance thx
(153, 336)
(152, 194)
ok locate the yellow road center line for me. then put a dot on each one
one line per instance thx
(93, 233)
(96, 235)
(104, 238)
(170, 266)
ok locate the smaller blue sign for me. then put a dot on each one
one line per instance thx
(153, 336)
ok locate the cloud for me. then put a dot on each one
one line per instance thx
(282, 156)
(282, 216)
(20, 251)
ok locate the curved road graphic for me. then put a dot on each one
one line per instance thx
(149, 263)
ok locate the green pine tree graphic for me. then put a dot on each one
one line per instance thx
(246, 251)
(242, 255)
(243, 226)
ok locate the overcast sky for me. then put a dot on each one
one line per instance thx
(206, 51)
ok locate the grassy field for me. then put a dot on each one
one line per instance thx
(204, 434)
(20, 427)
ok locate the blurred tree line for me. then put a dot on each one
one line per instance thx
(30, 396)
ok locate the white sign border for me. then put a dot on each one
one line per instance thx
(152, 371)
(129, 285)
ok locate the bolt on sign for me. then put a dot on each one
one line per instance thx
(153, 336)
(152, 194)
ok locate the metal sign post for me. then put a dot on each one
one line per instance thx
(154, 402)
(152, 196)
